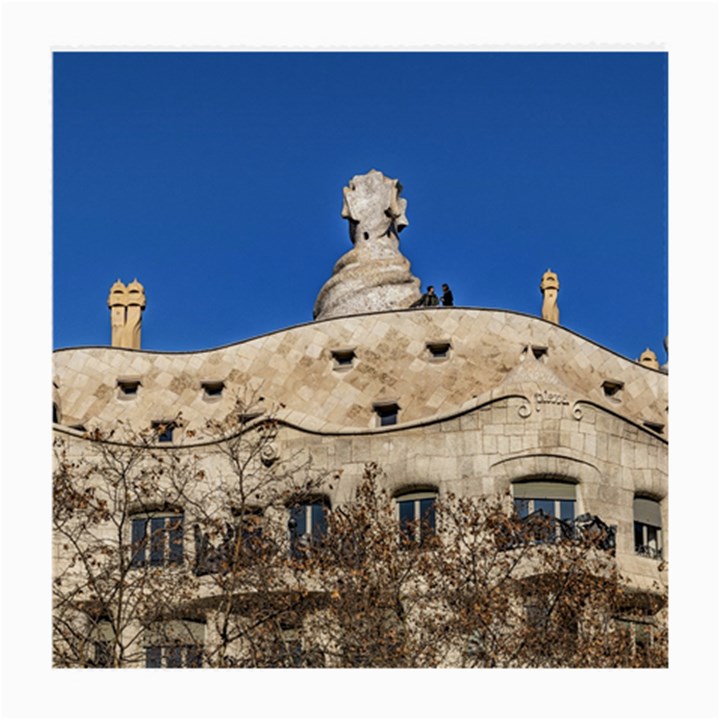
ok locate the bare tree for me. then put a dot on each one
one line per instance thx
(227, 556)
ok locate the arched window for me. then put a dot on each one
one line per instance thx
(541, 503)
(647, 518)
(157, 538)
(307, 525)
(416, 514)
(553, 498)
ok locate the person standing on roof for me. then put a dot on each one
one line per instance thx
(427, 299)
(447, 296)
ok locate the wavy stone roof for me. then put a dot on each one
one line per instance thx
(491, 355)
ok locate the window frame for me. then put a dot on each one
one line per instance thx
(419, 533)
(647, 520)
(533, 490)
(300, 543)
(532, 496)
(162, 546)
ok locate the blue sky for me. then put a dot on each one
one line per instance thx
(216, 179)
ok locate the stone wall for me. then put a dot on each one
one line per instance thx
(294, 371)
(515, 398)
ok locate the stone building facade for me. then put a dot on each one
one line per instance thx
(468, 401)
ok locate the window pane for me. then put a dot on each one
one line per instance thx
(174, 656)
(522, 507)
(153, 657)
(297, 516)
(319, 521)
(194, 656)
(388, 418)
(298, 529)
(157, 540)
(427, 517)
(567, 509)
(407, 518)
(547, 506)
(103, 654)
(653, 540)
(176, 539)
(166, 434)
(138, 543)
(639, 539)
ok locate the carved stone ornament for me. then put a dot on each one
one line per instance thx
(524, 410)
(269, 454)
(374, 275)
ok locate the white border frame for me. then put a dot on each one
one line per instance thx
(32, 30)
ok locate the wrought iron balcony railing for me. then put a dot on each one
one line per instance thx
(540, 528)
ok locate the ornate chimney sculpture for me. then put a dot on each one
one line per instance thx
(549, 286)
(117, 302)
(649, 359)
(374, 275)
(126, 306)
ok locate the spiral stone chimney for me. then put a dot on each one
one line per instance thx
(374, 275)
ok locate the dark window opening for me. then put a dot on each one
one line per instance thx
(213, 389)
(612, 389)
(387, 414)
(439, 350)
(103, 654)
(173, 656)
(164, 430)
(128, 388)
(56, 414)
(655, 427)
(343, 359)
(560, 509)
(539, 351)
(547, 509)
(157, 540)
(647, 528)
(416, 515)
(307, 526)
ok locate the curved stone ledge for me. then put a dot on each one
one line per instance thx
(326, 430)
